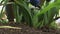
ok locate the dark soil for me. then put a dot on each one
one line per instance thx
(26, 30)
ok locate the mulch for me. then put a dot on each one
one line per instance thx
(27, 30)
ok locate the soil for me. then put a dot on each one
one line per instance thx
(24, 29)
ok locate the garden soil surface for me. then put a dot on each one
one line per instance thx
(25, 29)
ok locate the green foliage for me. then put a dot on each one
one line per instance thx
(25, 11)
(40, 18)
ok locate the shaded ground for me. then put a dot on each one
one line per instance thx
(24, 29)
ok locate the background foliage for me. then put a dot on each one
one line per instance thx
(35, 18)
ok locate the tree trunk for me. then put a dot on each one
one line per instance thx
(10, 11)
